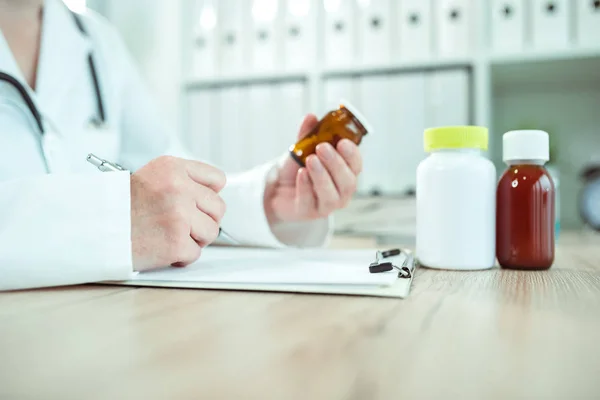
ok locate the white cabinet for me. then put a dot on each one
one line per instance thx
(378, 167)
(290, 108)
(265, 35)
(454, 28)
(204, 39)
(396, 107)
(233, 44)
(299, 34)
(202, 139)
(340, 32)
(415, 24)
(408, 121)
(260, 130)
(588, 23)
(508, 25)
(232, 133)
(375, 31)
(400, 107)
(338, 89)
(238, 127)
(550, 23)
(448, 98)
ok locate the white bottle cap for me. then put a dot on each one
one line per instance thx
(526, 145)
(361, 118)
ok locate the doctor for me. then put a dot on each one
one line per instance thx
(68, 87)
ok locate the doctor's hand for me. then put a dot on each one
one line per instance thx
(175, 211)
(325, 185)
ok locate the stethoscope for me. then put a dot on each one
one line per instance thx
(98, 121)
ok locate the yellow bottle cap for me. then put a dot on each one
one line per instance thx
(456, 137)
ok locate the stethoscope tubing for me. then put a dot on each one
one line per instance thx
(11, 80)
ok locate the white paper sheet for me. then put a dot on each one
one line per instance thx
(277, 267)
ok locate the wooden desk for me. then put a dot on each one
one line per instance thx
(472, 335)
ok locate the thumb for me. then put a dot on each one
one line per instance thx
(309, 122)
(289, 167)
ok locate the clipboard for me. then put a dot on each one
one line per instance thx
(234, 269)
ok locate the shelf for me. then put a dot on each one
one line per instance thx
(404, 67)
(538, 56)
(511, 64)
(568, 68)
(244, 79)
(254, 78)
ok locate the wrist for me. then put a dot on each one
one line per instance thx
(269, 208)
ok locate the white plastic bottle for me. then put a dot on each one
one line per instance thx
(456, 200)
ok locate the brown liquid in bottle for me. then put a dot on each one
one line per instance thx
(332, 128)
(525, 218)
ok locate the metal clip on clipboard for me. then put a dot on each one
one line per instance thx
(405, 270)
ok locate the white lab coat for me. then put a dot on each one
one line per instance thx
(61, 220)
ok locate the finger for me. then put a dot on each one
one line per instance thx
(209, 202)
(343, 177)
(323, 186)
(189, 253)
(206, 175)
(204, 230)
(351, 154)
(305, 196)
(308, 124)
(289, 169)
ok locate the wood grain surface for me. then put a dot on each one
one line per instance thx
(493, 334)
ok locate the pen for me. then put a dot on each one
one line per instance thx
(107, 166)
(103, 165)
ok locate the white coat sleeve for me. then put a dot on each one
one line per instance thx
(64, 229)
(146, 136)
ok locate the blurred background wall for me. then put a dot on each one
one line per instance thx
(235, 77)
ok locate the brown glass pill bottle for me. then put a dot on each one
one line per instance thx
(525, 203)
(344, 123)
